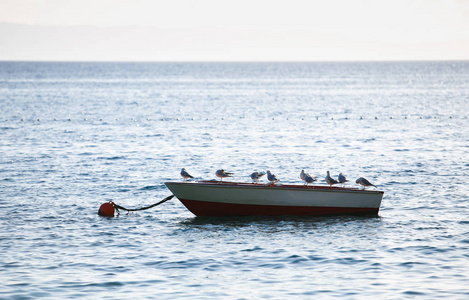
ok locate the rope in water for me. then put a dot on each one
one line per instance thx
(107, 209)
(143, 119)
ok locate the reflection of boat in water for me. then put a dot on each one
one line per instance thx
(214, 198)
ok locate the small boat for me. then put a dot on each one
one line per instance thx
(215, 198)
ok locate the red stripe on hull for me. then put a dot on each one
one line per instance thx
(215, 209)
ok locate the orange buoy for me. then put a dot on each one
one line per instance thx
(107, 209)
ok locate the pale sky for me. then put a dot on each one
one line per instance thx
(242, 30)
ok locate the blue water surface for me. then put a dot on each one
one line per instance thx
(75, 135)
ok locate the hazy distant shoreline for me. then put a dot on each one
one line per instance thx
(22, 42)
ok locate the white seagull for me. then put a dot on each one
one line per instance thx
(331, 181)
(364, 182)
(342, 178)
(185, 175)
(256, 176)
(272, 178)
(222, 174)
(309, 178)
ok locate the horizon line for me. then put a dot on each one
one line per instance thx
(235, 61)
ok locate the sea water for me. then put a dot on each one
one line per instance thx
(76, 135)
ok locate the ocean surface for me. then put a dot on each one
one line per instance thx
(76, 135)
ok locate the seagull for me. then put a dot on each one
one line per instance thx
(185, 175)
(364, 182)
(342, 178)
(309, 178)
(331, 181)
(222, 174)
(256, 176)
(302, 175)
(272, 178)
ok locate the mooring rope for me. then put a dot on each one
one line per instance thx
(117, 207)
(146, 207)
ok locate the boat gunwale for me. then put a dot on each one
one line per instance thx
(231, 184)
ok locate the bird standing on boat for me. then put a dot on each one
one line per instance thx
(364, 182)
(272, 178)
(331, 181)
(185, 175)
(256, 176)
(309, 179)
(302, 175)
(342, 178)
(222, 174)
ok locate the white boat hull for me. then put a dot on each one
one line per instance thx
(228, 199)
